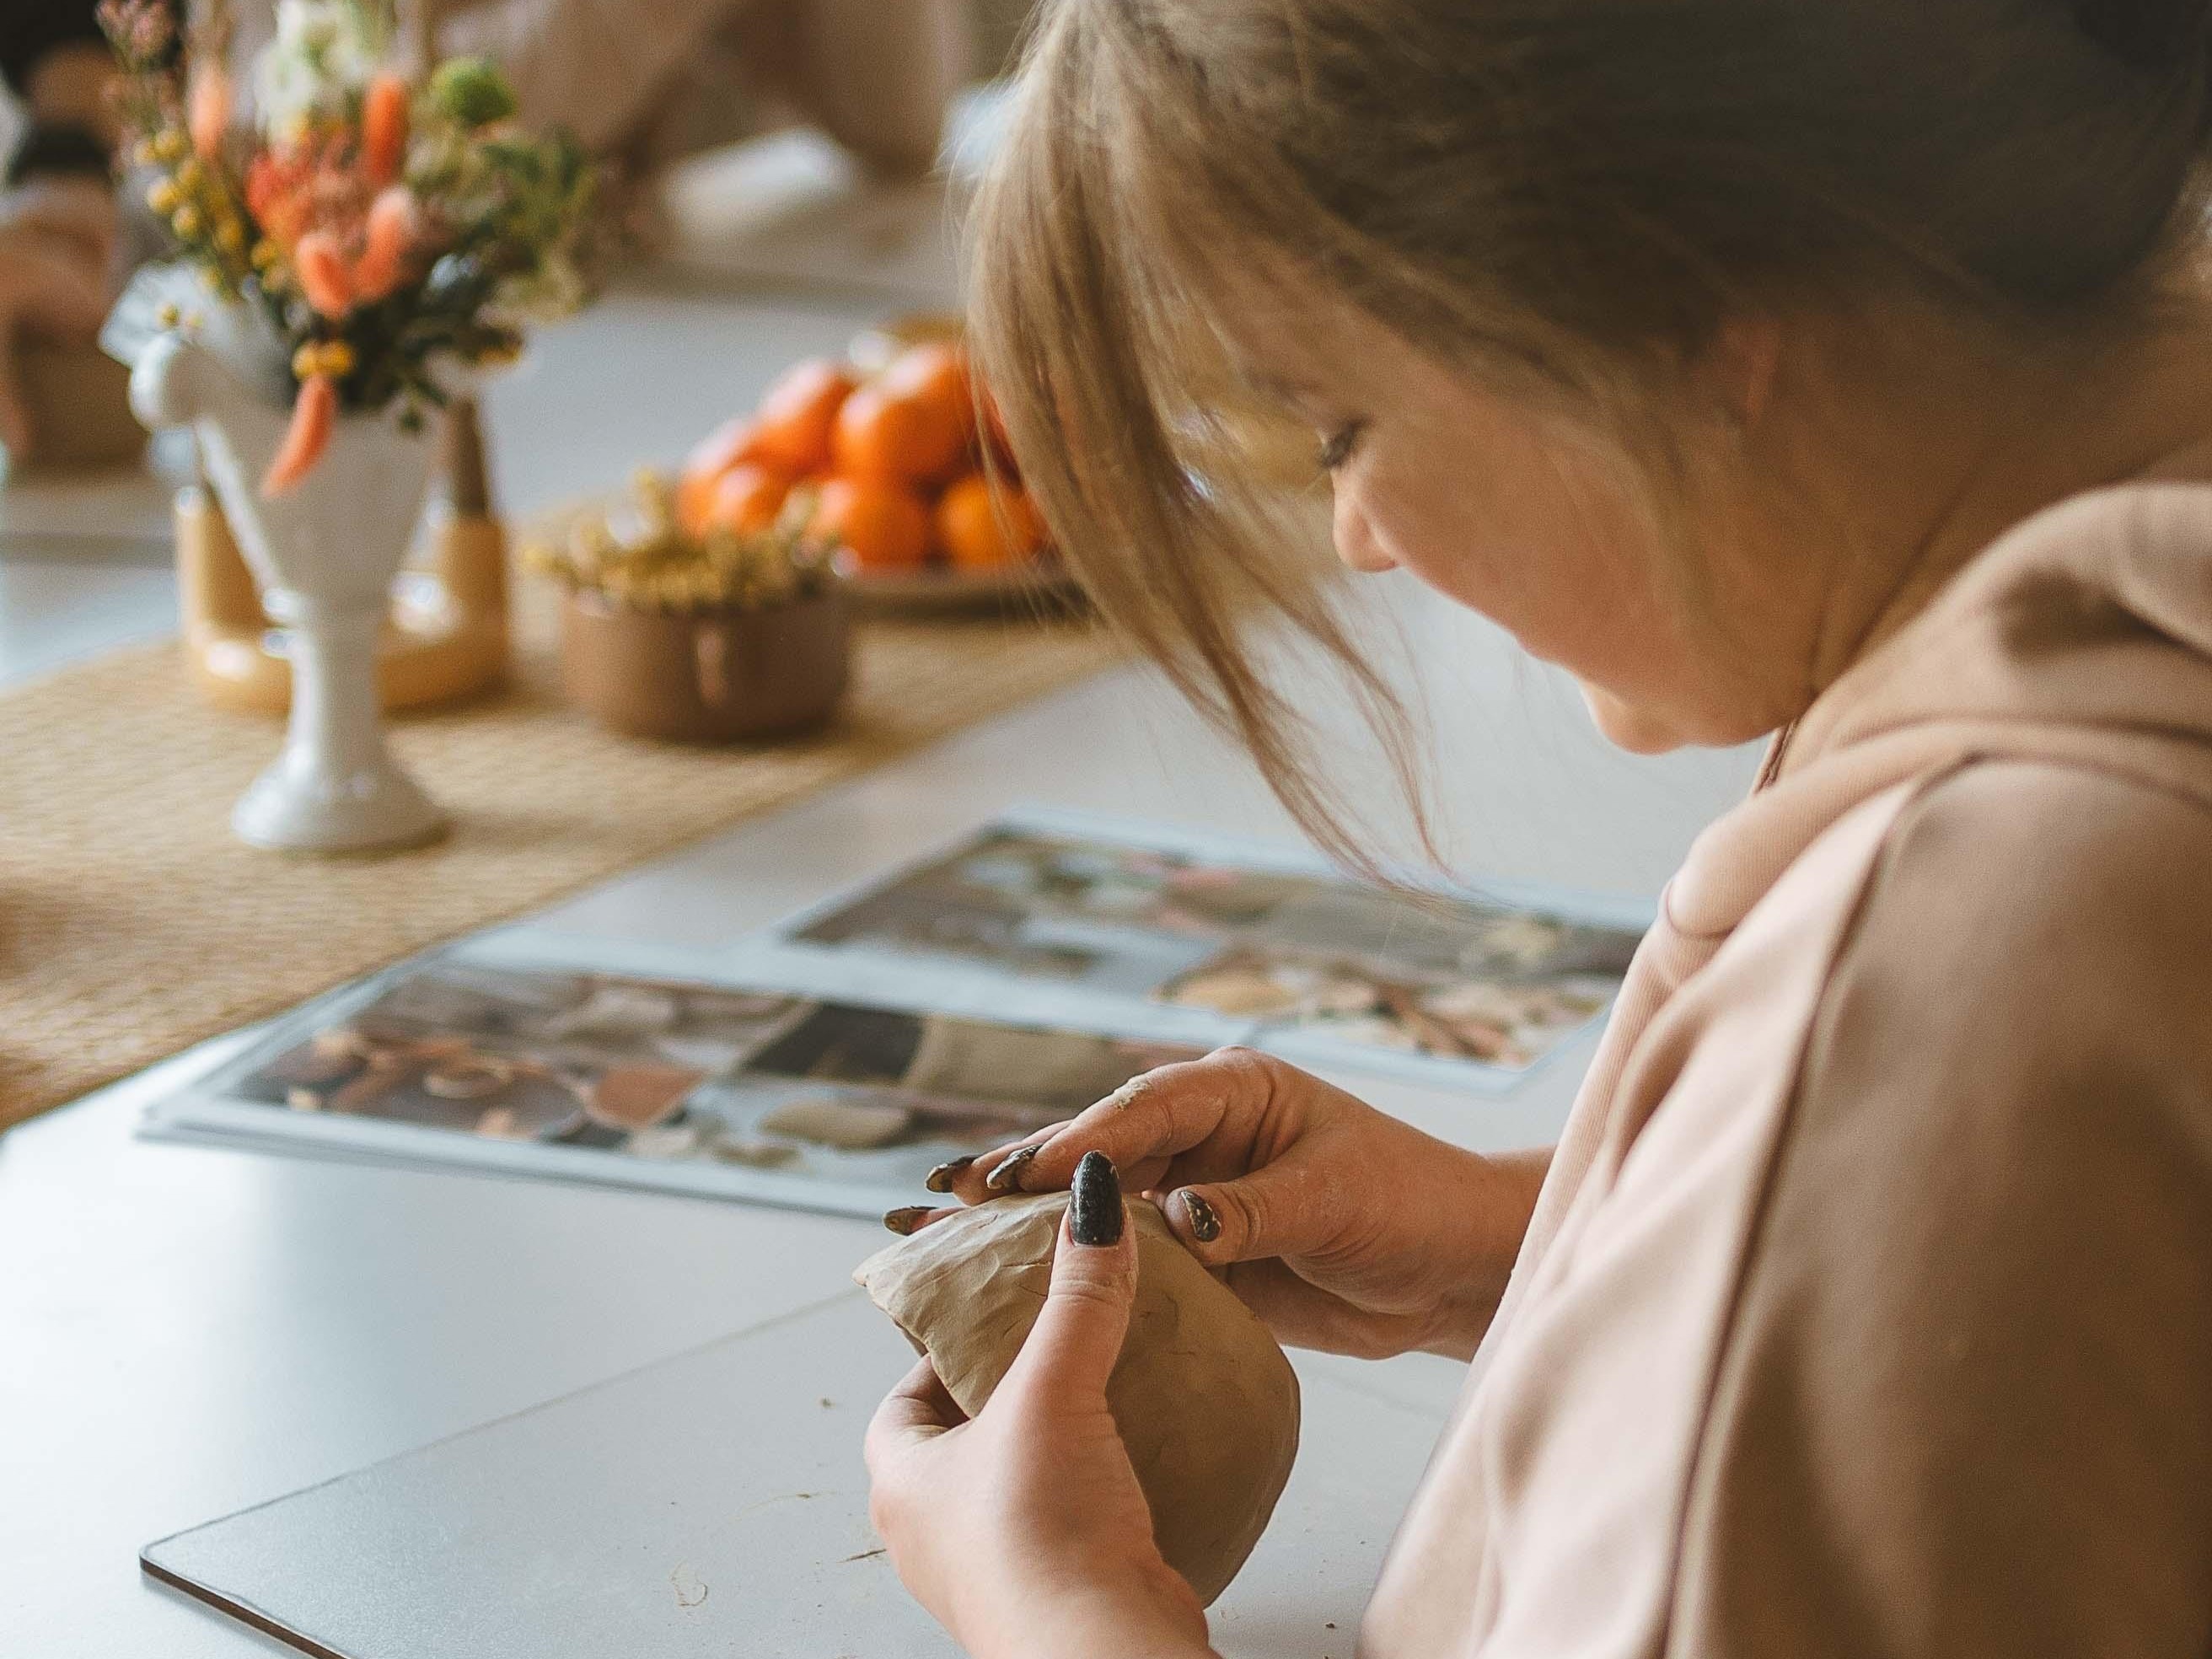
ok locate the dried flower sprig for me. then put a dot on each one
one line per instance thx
(634, 554)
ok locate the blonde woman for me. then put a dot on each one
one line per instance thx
(1840, 369)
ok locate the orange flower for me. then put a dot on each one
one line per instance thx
(314, 416)
(383, 128)
(324, 278)
(209, 117)
(389, 233)
(277, 192)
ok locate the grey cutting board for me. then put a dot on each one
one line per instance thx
(715, 1503)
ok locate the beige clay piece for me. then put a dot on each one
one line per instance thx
(1207, 1404)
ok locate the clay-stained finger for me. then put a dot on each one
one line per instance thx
(912, 1218)
(941, 1179)
(1216, 1109)
(968, 1179)
(1294, 1207)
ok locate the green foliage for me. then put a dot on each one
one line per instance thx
(470, 92)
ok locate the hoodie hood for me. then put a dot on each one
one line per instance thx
(2083, 635)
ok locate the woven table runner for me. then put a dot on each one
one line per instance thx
(133, 925)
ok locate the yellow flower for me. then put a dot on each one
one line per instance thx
(265, 254)
(170, 144)
(230, 236)
(164, 198)
(185, 222)
(189, 174)
(334, 358)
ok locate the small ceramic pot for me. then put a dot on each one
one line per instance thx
(710, 675)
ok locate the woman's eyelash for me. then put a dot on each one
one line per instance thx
(1336, 448)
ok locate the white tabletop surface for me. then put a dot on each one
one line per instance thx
(184, 1332)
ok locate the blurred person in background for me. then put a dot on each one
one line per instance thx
(58, 212)
(641, 83)
(646, 84)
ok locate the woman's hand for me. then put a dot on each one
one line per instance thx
(1024, 1530)
(1343, 1228)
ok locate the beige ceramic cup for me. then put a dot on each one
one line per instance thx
(710, 675)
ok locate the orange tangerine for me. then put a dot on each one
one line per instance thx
(883, 434)
(733, 441)
(979, 528)
(746, 498)
(695, 501)
(884, 523)
(934, 373)
(798, 412)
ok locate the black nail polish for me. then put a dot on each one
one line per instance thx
(1094, 1202)
(1006, 1174)
(939, 1180)
(908, 1219)
(1205, 1225)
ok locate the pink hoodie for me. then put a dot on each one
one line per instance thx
(1868, 1307)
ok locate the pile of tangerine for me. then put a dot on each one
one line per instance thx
(894, 461)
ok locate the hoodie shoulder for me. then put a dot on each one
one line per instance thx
(2011, 890)
(2036, 921)
(1959, 1403)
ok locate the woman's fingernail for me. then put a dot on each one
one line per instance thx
(906, 1220)
(1008, 1170)
(1205, 1225)
(939, 1180)
(1094, 1204)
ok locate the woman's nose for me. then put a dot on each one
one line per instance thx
(1355, 543)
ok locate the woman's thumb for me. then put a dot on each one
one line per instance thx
(1287, 1208)
(1078, 1335)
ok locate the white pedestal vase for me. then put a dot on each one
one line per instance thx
(324, 556)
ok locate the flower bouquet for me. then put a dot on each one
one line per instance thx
(380, 235)
(345, 265)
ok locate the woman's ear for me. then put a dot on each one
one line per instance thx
(1741, 365)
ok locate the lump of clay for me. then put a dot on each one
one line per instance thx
(1207, 1402)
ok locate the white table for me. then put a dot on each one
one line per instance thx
(184, 1332)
